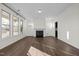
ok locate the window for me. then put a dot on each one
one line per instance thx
(15, 25)
(21, 26)
(5, 24)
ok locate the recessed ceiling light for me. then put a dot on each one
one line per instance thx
(39, 11)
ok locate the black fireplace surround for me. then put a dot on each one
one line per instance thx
(39, 34)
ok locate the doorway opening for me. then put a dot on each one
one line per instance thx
(56, 29)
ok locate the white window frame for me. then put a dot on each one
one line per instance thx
(9, 23)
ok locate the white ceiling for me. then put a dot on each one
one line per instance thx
(30, 10)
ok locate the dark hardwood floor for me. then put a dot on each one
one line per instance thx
(49, 45)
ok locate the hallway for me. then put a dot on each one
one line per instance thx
(47, 45)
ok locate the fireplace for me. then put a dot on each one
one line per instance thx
(39, 34)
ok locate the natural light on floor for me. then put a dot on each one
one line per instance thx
(36, 52)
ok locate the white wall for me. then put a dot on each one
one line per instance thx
(69, 22)
(11, 39)
(47, 25)
(29, 27)
(50, 26)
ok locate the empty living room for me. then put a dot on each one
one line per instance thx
(39, 29)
